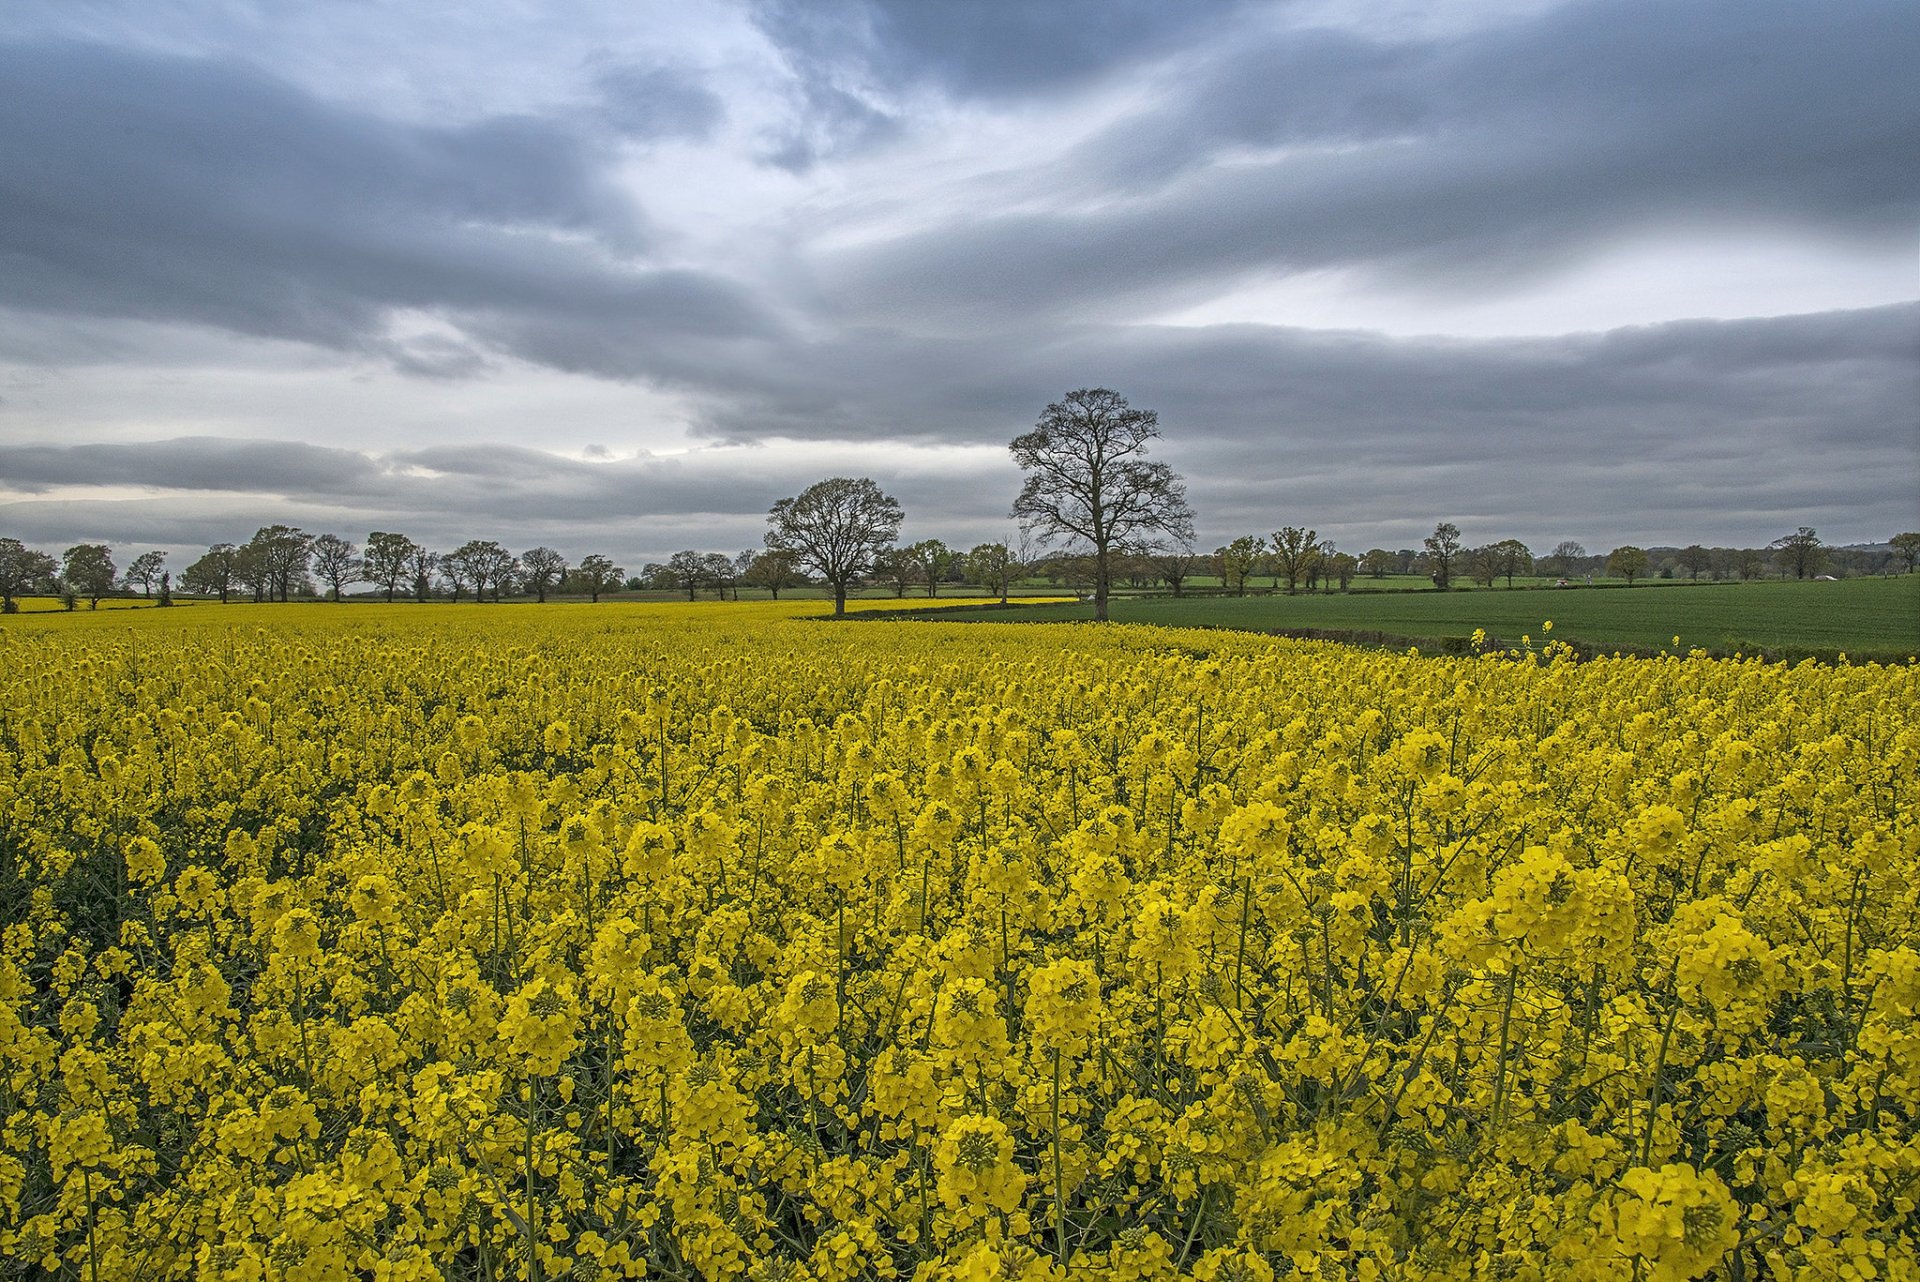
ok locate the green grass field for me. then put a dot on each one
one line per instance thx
(1864, 617)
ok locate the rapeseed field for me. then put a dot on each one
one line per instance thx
(716, 942)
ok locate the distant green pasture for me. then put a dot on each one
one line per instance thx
(1878, 617)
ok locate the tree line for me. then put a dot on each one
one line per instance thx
(1092, 510)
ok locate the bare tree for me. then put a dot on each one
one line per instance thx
(719, 571)
(1088, 481)
(145, 570)
(1564, 558)
(421, 563)
(687, 570)
(541, 568)
(836, 527)
(333, 561)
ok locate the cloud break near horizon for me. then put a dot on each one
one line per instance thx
(616, 277)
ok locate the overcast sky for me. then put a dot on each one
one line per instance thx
(615, 275)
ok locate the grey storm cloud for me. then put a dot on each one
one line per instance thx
(1462, 163)
(165, 188)
(983, 47)
(1761, 423)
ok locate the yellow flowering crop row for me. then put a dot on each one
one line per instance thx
(708, 941)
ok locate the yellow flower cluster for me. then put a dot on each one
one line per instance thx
(723, 942)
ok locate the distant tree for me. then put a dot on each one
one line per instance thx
(1800, 553)
(1294, 549)
(1694, 558)
(1565, 558)
(333, 561)
(166, 589)
(87, 571)
(1482, 565)
(540, 569)
(1323, 552)
(1748, 563)
(1239, 559)
(145, 570)
(1341, 567)
(720, 573)
(836, 528)
(1377, 563)
(251, 571)
(1088, 481)
(931, 559)
(1512, 557)
(22, 570)
(1906, 549)
(421, 563)
(596, 574)
(283, 552)
(484, 563)
(992, 566)
(771, 568)
(1627, 562)
(1176, 563)
(1443, 549)
(686, 570)
(388, 560)
(893, 567)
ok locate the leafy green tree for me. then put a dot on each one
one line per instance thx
(836, 528)
(1512, 557)
(1294, 548)
(771, 568)
(214, 573)
(596, 574)
(931, 559)
(1627, 562)
(1443, 550)
(388, 560)
(1377, 563)
(1800, 553)
(1694, 558)
(1088, 481)
(22, 570)
(1239, 559)
(1906, 549)
(87, 571)
(1482, 565)
(992, 566)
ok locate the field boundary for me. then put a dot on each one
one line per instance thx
(1377, 639)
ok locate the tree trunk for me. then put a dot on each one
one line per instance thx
(839, 599)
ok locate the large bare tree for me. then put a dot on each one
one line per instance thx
(836, 528)
(1088, 481)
